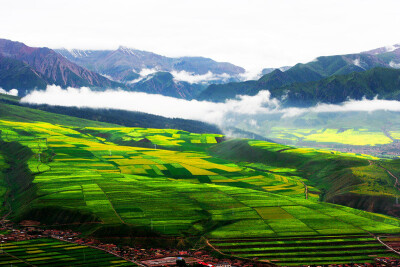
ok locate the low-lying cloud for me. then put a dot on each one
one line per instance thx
(191, 77)
(152, 103)
(13, 92)
(219, 113)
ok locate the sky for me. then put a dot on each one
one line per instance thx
(253, 34)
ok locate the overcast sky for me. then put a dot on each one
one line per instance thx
(250, 33)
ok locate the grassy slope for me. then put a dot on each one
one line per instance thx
(345, 180)
(300, 92)
(24, 114)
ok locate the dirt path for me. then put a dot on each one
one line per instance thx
(305, 189)
(235, 256)
(386, 245)
(396, 184)
(388, 135)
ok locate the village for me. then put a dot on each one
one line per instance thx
(139, 256)
(148, 257)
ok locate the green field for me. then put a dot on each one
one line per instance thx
(51, 252)
(109, 180)
(295, 251)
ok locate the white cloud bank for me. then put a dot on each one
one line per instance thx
(154, 104)
(190, 77)
(364, 105)
(219, 113)
(394, 65)
(13, 92)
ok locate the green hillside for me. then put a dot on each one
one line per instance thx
(336, 88)
(239, 196)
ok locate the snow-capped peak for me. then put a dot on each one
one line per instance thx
(127, 50)
(79, 53)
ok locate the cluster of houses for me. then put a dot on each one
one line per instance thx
(152, 256)
(140, 256)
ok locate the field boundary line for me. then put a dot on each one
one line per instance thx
(94, 247)
(15, 257)
(111, 204)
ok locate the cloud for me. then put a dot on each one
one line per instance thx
(250, 75)
(146, 72)
(394, 65)
(13, 92)
(154, 104)
(190, 77)
(357, 62)
(253, 107)
(365, 105)
(143, 74)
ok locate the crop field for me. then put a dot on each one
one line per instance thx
(346, 136)
(51, 252)
(295, 251)
(307, 152)
(160, 137)
(186, 191)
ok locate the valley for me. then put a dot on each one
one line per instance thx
(242, 197)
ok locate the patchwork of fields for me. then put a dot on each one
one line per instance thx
(346, 136)
(51, 252)
(185, 191)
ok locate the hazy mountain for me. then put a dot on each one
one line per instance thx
(163, 83)
(318, 69)
(124, 64)
(381, 82)
(26, 68)
(269, 70)
(389, 54)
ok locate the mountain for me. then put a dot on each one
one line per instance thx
(381, 82)
(125, 64)
(17, 74)
(163, 83)
(26, 68)
(269, 70)
(389, 54)
(318, 69)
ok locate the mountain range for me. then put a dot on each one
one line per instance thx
(317, 74)
(26, 68)
(125, 64)
(330, 79)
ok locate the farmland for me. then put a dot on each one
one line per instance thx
(244, 196)
(55, 253)
(345, 136)
(296, 251)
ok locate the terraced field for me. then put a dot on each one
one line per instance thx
(51, 252)
(295, 251)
